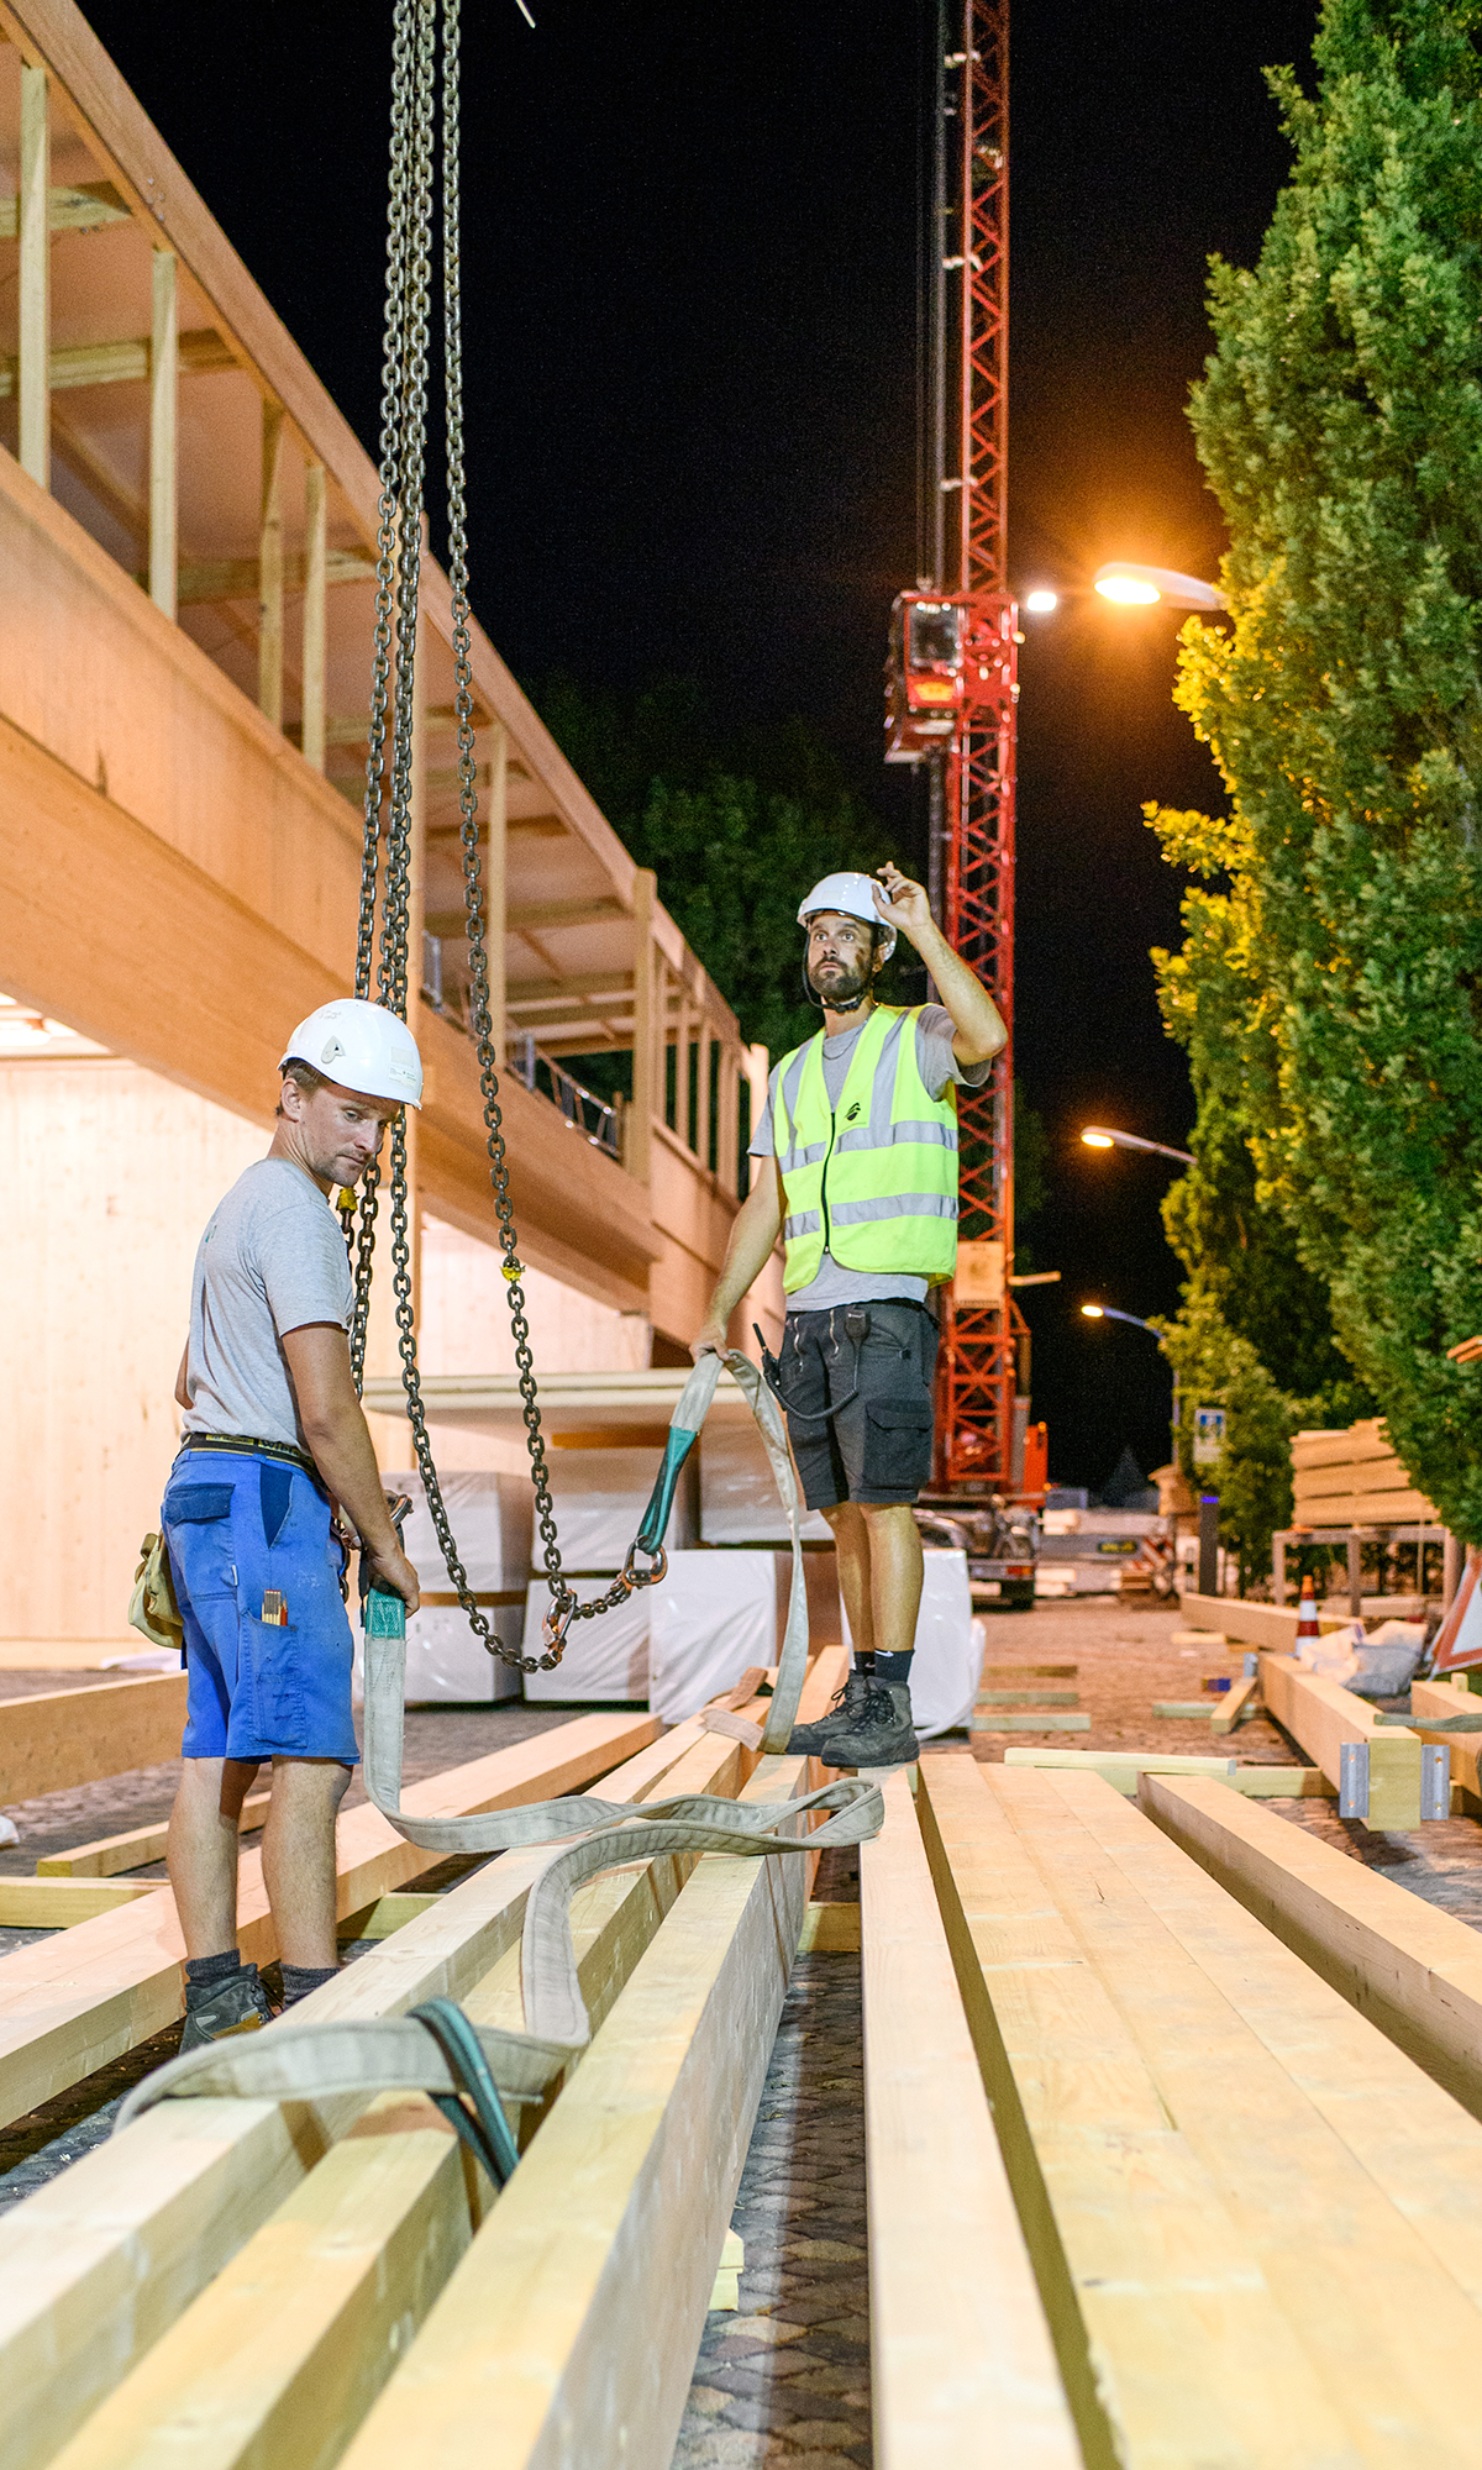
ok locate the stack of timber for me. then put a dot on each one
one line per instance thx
(62, 1738)
(1257, 2223)
(1353, 1479)
(236, 2281)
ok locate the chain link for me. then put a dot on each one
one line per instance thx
(393, 689)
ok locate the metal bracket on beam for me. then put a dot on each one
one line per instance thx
(1435, 1780)
(1353, 1779)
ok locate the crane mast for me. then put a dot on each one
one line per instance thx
(952, 694)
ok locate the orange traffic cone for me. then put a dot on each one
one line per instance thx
(1308, 1632)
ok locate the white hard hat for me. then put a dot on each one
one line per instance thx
(854, 896)
(363, 1047)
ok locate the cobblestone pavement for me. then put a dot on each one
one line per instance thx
(784, 2384)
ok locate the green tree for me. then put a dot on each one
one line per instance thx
(735, 830)
(1331, 983)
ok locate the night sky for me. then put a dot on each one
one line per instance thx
(690, 266)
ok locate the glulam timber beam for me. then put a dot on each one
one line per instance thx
(134, 1848)
(164, 474)
(568, 2332)
(62, 1738)
(121, 364)
(100, 2262)
(1413, 1969)
(1321, 1716)
(85, 207)
(68, 2005)
(1213, 2146)
(33, 278)
(959, 2342)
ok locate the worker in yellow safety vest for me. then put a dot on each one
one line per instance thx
(857, 1171)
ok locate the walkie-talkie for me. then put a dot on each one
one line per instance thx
(383, 1614)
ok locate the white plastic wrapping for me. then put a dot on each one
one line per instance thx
(715, 1614)
(949, 1646)
(491, 1517)
(600, 1497)
(605, 1659)
(739, 1503)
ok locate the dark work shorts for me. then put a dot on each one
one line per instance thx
(878, 1447)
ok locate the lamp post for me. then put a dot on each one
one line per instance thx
(1109, 1312)
(1102, 1136)
(1130, 586)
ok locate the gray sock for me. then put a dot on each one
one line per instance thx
(893, 1668)
(300, 1979)
(207, 1972)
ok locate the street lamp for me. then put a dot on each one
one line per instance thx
(1101, 1136)
(1130, 586)
(1041, 603)
(1109, 1312)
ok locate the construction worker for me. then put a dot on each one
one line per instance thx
(858, 1146)
(274, 1458)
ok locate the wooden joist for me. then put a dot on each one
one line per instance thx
(1217, 2159)
(1235, 1705)
(61, 1903)
(958, 2337)
(281, 2355)
(97, 2265)
(1123, 1768)
(571, 2325)
(1321, 1716)
(69, 2004)
(67, 1737)
(135, 1848)
(1414, 1970)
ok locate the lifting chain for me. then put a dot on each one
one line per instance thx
(393, 692)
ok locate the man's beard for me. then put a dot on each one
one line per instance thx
(844, 989)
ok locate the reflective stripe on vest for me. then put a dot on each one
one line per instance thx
(873, 1180)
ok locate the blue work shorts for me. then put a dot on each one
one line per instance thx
(237, 1527)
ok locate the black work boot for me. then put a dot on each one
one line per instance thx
(845, 1709)
(215, 2010)
(883, 1735)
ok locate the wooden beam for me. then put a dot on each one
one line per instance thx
(316, 576)
(73, 365)
(959, 2343)
(69, 2005)
(1356, 2182)
(164, 462)
(132, 1850)
(270, 568)
(647, 1063)
(1236, 1704)
(546, 914)
(33, 278)
(1122, 1768)
(100, 2262)
(63, 1738)
(1413, 1969)
(85, 207)
(1321, 1716)
(1152, 2281)
(575, 2316)
(61, 1903)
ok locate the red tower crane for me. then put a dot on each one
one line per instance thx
(951, 704)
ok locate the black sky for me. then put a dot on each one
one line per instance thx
(690, 271)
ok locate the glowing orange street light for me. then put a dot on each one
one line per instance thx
(1102, 1136)
(1129, 586)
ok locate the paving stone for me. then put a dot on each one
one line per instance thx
(796, 2365)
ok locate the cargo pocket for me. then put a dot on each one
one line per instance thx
(278, 1713)
(897, 1450)
(198, 1536)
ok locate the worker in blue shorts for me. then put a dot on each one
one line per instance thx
(276, 1467)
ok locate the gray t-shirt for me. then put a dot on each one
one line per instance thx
(272, 1259)
(939, 1068)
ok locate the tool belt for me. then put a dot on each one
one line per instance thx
(243, 1445)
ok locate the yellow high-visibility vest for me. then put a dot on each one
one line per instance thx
(874, 1179)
